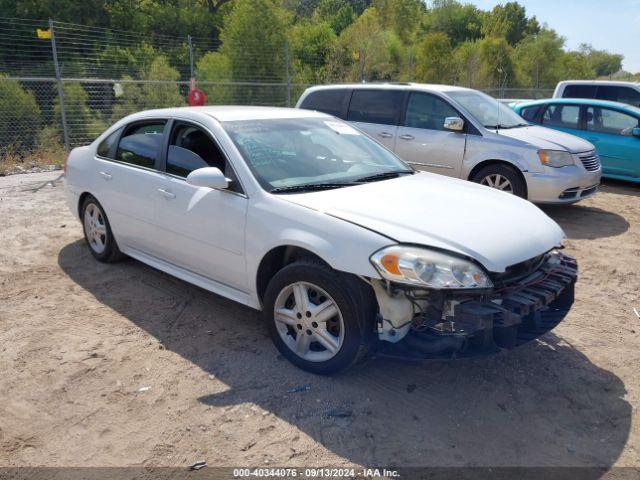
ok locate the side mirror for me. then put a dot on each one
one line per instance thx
(210, 177)
(636, 132)
(455, 124)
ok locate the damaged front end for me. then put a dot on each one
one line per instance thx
(523, 303)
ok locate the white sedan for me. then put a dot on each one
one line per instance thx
(342, 246)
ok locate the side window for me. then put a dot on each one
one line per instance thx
(191, 148)
(563, 116)
(530, 113)
(105, 149)
(604, 120)
(579, 91)
(619, 94)
(427, 111)
(375, 106)
(328, 101)
(141, 143)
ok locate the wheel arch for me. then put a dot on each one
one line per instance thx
(81, 200)
(486, 163)
(276, 259)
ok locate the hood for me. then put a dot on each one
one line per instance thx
(547, 138)
(495, 228)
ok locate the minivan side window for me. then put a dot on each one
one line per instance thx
(579, 91)
(563, 116)
(427, 111)
(603, 120)
(105, 149)
(375, 106)
(141, 143)
(331, 101)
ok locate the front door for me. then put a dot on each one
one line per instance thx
(376, 113)
(422, 140)
(610, 131)
(202, 230)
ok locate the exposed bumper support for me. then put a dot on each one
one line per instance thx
(515, 314)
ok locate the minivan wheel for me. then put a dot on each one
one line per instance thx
(501, 177)
(319, 319)
(97, 232)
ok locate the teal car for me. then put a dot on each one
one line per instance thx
(614, 129)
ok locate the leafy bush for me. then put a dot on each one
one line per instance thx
(19, 116)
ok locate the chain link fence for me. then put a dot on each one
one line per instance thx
(62, 84)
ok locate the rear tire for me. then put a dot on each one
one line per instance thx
(501, 177)
(97, 232)
(320, 320)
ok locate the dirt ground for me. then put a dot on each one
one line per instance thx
(122, 365)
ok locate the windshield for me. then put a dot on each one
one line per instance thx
(487, 110)
(309, 153)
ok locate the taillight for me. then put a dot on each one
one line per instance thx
(66, 160)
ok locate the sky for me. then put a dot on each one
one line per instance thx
(612, 25)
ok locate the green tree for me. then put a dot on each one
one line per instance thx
(365, 51)
(215, 67)
(459, 22)
(310, 45)
(162, 90)
(508, 21)
(538, 59)
(401, 16)
(575, 65)
(338, 13)
(20, 116)
(253, 38)
(496, 62)
(433, 59)
(83, 124)
(603, 63)
(466, 60)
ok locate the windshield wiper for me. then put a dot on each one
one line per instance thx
(505, 127)
(384, 175)
(306, 187)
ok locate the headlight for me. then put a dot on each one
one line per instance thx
(555, 158)
(428, 268)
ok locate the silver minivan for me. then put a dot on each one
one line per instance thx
(466, 134)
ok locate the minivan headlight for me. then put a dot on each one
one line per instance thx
(428, 268)
(555, 158)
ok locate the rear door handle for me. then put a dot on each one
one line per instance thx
(385, 135)
(106, 176)
(166, 193)
(407, 137)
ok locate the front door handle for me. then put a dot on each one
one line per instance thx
(106, 176)
(166, 193)
(385, 135)
(407, 137)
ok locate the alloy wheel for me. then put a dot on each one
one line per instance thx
(95, 228)
(497, 181)
(309, 321)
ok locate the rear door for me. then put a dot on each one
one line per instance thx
(610, 131)
(127, 167)
(422, 140)
(377, 113)
(202, 229)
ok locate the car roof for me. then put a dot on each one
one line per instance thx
(227, 113)
(391, 86)
(617, 83)
(580, 101)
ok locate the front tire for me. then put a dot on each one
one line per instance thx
(320, 320)
(97, 232)
(501, 177)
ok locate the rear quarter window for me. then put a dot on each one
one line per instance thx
(530, 113)
(331, 101)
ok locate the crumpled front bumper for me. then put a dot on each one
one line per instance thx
(515, 314)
